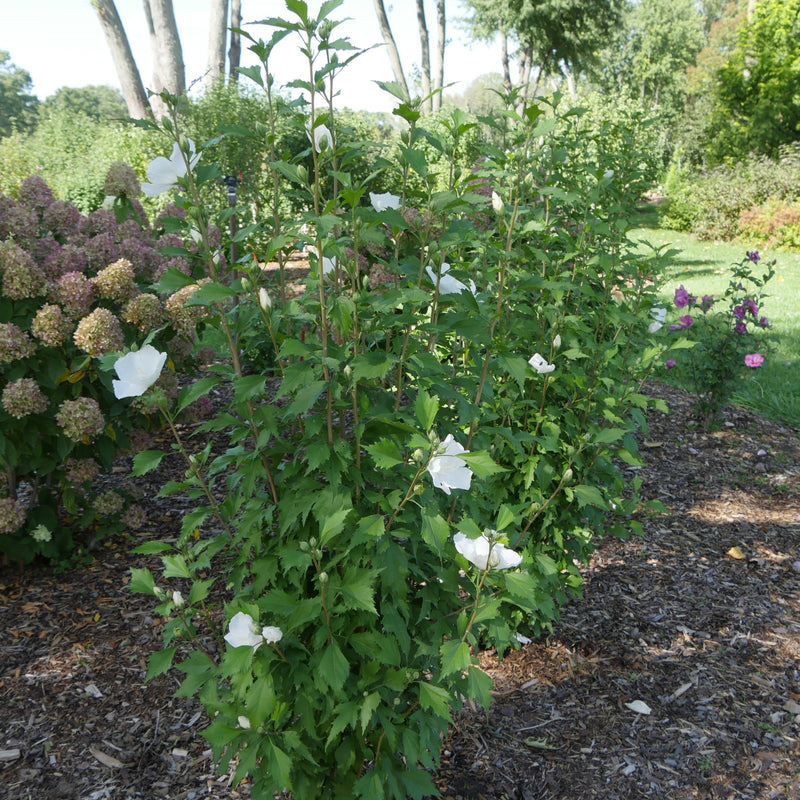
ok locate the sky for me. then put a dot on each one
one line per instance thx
(60, 43)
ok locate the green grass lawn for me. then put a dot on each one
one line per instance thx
(704, 268)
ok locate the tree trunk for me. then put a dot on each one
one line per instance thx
(426, 55)
(129, 79)
(217, 35)
(391, 47)
(504, 56)
(167, 53)
(156, 86)
(235, 51)
(438, 77)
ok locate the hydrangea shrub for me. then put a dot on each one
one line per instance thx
(74, 288)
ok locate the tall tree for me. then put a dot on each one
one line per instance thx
(128, 73)
(431, 82)
(217, 36)
(551, 36)
(391, 48)
(235, 49)
(17, 102)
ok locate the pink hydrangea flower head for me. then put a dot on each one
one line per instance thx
(62, 219)
(753, 360)
(99, 333)
(35, 194)
(22, 277)
(101, 250)
(12, 514)
(22, 397)
(74, 293)
(14, 343)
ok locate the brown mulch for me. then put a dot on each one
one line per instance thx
(699, 619)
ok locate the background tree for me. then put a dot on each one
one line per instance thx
(550, 37)
(97, 102)
(217, 30)
(758, 88)
(430, 83)
(17, 102)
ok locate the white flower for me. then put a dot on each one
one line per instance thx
(320, 136)
(497, 203)
(447, 283)
(271, 634)
(447, 470)
(243, 632)
(138, 371)
(264, 300)
(557, 341)
(608, 174)
(177, 599)
(380, 202)
(485, 555)
(539, 363)
(328, 265)
(163, 173)
(659, 314)
(243, 722)
(522, 639)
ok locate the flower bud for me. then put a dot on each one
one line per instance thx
(177, 599)
(418, 456)
(246, 284)
(264, 300)
(497, 203)
(159, 592)
(323, 577)
(304, 547)
(347, 371)
(313, 541)
(557, 341)
(567, 474)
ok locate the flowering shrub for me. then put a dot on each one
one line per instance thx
(433, 454)
(729, 336)
(71, 292)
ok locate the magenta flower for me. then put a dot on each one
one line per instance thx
(681, 297)
(739, 312)
(670, 363)
(753, 360)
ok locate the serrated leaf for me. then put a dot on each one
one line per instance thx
(455, 655)
(159, 662)
(434, 698)
(175, 567)
(589, 495)
(194, 391)
(145, 461)
(142, 581)
(151, 547)
(481, 464)
(333, 666)
(385, 453)
(426, 408)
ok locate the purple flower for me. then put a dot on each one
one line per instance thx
(751, 306)
(740, 326)
(670, 363)
(681, 297)
(764, 322)
(686, 321)
(753, 256)
(707, 301)
(739, 312)
(754, 360)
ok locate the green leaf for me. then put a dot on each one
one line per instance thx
(608, 435)
(426, 408)
(435, 531)
(175, 567)
(305, 398)
(159, 662)
(434, 698)
(357, 590)
(589, 495)
(372, 364)
(279, 764)
(481, 464)
(415, 159)
(455, 656)
(145, 461)
(142, 581)
(333, 666)
(385, 453)
(480, 686)
(195, 390)
(333, 525)
(505, 516)
(210, 293)
(371, 702)
(151, 547)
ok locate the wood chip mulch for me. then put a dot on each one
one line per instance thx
(697, 622)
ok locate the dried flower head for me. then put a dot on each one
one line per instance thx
(81, 419)
(81, 470)
(99, 333)
(14, 343)
(108, 503)
(74, 292)
(22, 397)
(62, 219)
(144, 312)
(116, 282)
(12, 514)
(51, 326)
(121, 181)
(35, 194)
(22, 276)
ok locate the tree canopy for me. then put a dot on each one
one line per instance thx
(17, 102)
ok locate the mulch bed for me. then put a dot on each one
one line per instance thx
(699, 619)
